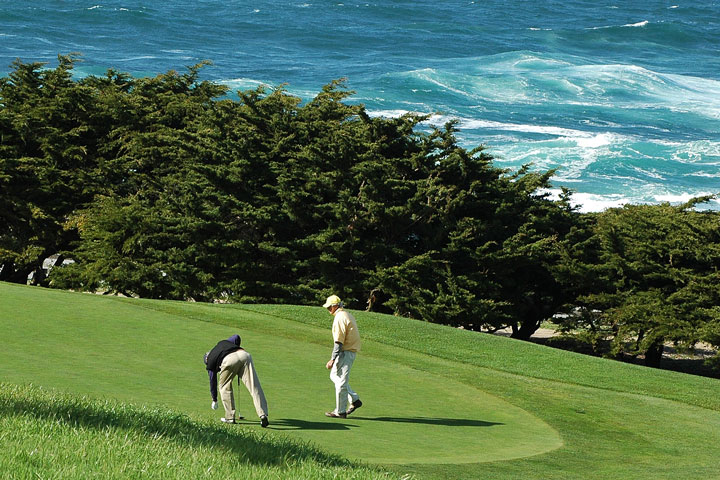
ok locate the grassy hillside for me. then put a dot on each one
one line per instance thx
(53, 435)
(439, 402)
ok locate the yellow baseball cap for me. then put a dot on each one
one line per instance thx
(332, 300)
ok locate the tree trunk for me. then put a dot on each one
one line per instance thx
(525, 330)
(6, 271)
(533, 317)
(9, 274)
(653, 354)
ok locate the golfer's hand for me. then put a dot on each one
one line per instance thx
(214, 405)
(329, 364)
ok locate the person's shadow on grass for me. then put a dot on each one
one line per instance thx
(297, 424)
(448, 422)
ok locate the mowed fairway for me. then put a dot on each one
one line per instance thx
(439, 403)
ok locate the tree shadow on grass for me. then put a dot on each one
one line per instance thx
(447, 422)
(80, 412)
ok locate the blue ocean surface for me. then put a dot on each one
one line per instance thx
(621, 97)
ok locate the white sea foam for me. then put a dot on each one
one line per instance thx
(548, 130)
(242, 83)
(595, 141)
(704, 152)
(580, 138)
(693, 94)
(573, 162)
(529, 79)
(680, 198)
(638, 24)
(649, 173)
(703, 175)
(637, 166)
(627, 25)
(430, 75)
(588, 202)
(389, 113)
(139, 57)
(575, 149)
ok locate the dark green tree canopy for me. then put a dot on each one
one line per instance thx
(648, 275)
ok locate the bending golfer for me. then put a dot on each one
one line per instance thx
(227, 360)
(347, 344)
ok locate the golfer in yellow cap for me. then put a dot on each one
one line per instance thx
(347, 344)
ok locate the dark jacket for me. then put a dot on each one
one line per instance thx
(218, 354)
(215, 357)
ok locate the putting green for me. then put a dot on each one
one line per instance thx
(129, 350)
(408, 416)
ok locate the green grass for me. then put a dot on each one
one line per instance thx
(52, 435)
(439, 402)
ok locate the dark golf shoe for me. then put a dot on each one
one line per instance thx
(355, 405)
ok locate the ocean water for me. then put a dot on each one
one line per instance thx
(621, 97)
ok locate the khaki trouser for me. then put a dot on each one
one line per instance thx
(240, 364)
(340, 375)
